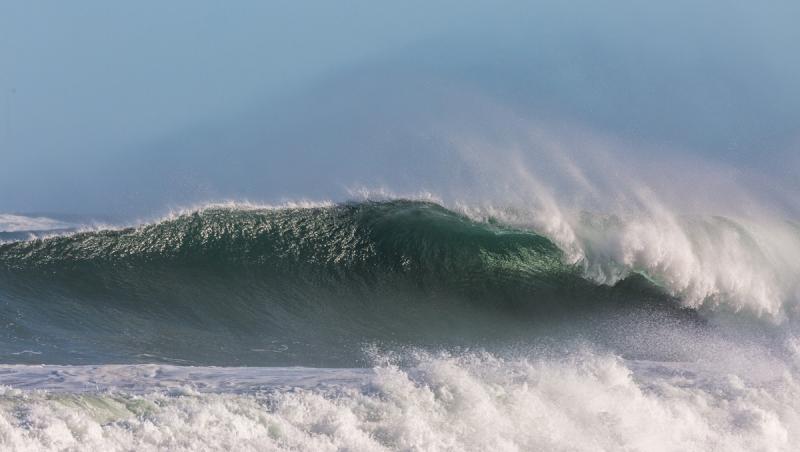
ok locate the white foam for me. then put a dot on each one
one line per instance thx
(707, 261)
(470, 402)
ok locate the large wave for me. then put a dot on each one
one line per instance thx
(703, 260)
(309, 284)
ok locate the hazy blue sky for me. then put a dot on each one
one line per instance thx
(128, 107)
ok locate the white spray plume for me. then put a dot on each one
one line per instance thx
(694, 226)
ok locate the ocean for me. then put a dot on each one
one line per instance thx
(399, 324)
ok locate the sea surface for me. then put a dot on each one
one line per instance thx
(399, 324)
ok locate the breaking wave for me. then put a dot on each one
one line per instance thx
(310, 284)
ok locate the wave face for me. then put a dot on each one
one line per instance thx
(229, 285)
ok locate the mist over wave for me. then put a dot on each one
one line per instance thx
(18, 223)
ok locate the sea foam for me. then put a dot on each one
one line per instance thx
(471, 401)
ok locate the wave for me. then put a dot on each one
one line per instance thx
(234, 284)
(703, 260)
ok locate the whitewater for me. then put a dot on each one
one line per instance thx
(470, 402)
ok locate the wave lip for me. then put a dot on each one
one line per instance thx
(709, 262)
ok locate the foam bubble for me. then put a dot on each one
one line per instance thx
(472, 401)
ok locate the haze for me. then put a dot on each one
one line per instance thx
(128, 109)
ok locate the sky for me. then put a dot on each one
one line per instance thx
(128, 109)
